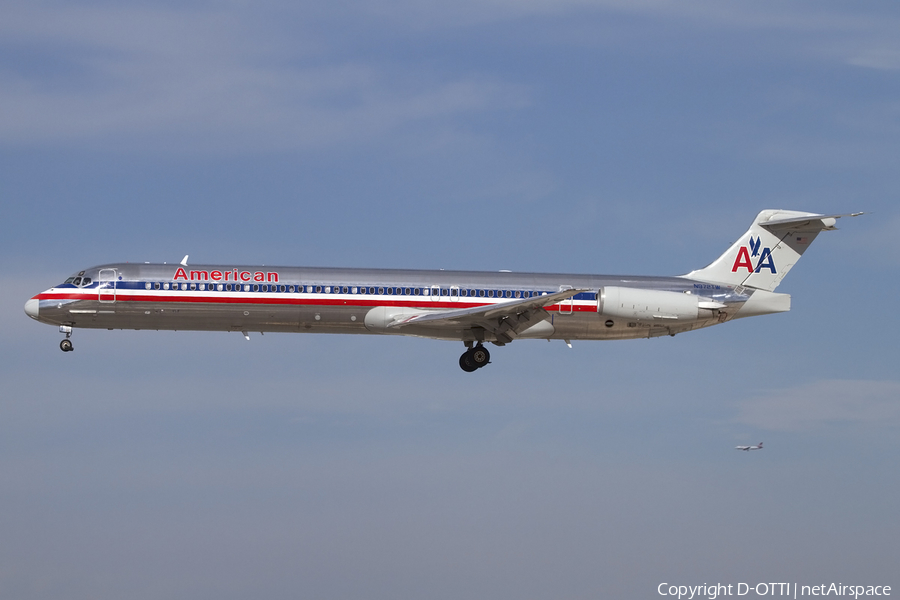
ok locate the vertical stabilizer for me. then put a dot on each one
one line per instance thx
(766, 253)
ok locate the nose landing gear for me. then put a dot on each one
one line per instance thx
(66, 344)
(474, 358)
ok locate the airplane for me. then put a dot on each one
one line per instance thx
(748, 448)
(473, 307)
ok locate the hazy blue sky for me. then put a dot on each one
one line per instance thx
(566, 135)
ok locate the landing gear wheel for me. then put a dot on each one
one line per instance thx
(480, 356)
(465, 362)
(66, 345)
(474, 358)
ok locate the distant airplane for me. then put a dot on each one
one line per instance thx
(747, 448)
(467, 306)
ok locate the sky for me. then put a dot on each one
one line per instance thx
(575, 136)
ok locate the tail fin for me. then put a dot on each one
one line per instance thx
(763, 256)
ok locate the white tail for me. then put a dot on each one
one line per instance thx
(771, 247)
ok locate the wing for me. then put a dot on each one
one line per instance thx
(505, 320)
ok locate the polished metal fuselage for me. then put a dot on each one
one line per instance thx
(333, 300)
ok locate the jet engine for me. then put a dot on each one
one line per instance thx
(652, 305)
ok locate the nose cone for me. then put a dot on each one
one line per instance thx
(31, 308)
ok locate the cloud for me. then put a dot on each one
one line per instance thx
(887, 59)
(809, 406)
(191, 78)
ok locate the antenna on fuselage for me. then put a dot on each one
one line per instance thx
(184, 260)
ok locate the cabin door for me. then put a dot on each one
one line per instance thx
(106, 288)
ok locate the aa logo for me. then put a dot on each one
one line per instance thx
(744, 258)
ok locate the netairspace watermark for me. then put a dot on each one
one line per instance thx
(716, 590)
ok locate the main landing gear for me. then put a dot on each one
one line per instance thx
(66, 344)
(474, 358)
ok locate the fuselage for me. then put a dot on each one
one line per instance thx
(474, 307)
(326, 300)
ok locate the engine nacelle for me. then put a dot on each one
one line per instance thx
(647, 305)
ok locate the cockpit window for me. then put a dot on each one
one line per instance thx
(78, 280)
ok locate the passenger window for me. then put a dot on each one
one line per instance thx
(184, 286)
(165, 286)
(381, 290)
(156, 286)
(220, 287)
(147, 285)
(193, 286)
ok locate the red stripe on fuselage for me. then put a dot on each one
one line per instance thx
(298, 301)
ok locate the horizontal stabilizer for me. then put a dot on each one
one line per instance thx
(816, 223)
